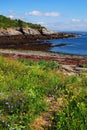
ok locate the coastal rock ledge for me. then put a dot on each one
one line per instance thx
(24, 31)
(28, 35)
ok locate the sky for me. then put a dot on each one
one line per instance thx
(60, 15)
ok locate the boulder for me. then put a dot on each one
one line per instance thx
(9, 31)
(33, 31)
(3, 32)
(47, 32)
(29, 31)
(13, 31)
(25, 30)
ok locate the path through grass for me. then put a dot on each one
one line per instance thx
(25, 87)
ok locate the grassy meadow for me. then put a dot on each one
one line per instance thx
(25, 87)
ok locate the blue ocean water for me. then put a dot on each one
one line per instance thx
(77, 46)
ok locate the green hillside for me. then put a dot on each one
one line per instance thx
(6, 22)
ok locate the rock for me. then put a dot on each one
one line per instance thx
(19, 31)
(3, 32)
(30, 31)
(14, 31)
(25, 30)
(68, 68)
(47, 32)
(33, 31)
(9, 31)
(80, 69)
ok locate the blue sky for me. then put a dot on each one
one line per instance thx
(62, 15)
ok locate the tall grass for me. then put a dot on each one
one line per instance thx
(24, 88)
(73, 114)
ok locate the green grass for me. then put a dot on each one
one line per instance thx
(24, 88)
(73, 113)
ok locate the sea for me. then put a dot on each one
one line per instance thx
(73, 46)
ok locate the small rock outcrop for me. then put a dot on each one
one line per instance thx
(25, 31)
(47, 32)
(9, 31)
(30, 31)
(33, 31)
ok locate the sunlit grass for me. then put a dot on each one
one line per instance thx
(24, 87)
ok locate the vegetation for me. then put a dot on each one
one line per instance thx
(83, 66)
(24, 88)
(73, 114)
(7, 23)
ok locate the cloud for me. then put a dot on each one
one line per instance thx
(47, 14)
(76, 20)
(85, 20)
(35, 13)
(65, 26)
(42, 23)
(11, 16)
(52, 14)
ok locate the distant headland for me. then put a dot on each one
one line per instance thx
(17, 27)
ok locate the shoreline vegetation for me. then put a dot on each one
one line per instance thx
(39, 55)
(39, 90)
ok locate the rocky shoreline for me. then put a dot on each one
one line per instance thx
(28, 35)
(29, 39)
(39, 55)
(35, 41)
(71, 64)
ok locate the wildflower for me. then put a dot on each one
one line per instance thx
(21, 99)
(3, 121)
(1, 114)
(6, 103)
(8, 125)
(11, 111)
(9, 106)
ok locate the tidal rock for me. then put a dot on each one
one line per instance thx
(30, 31)
(47, 32)
(9, 31)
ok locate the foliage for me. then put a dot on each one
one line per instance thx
(24, 88)
(46, 65)
(73, 114)
(7, 23)
(83, 66)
